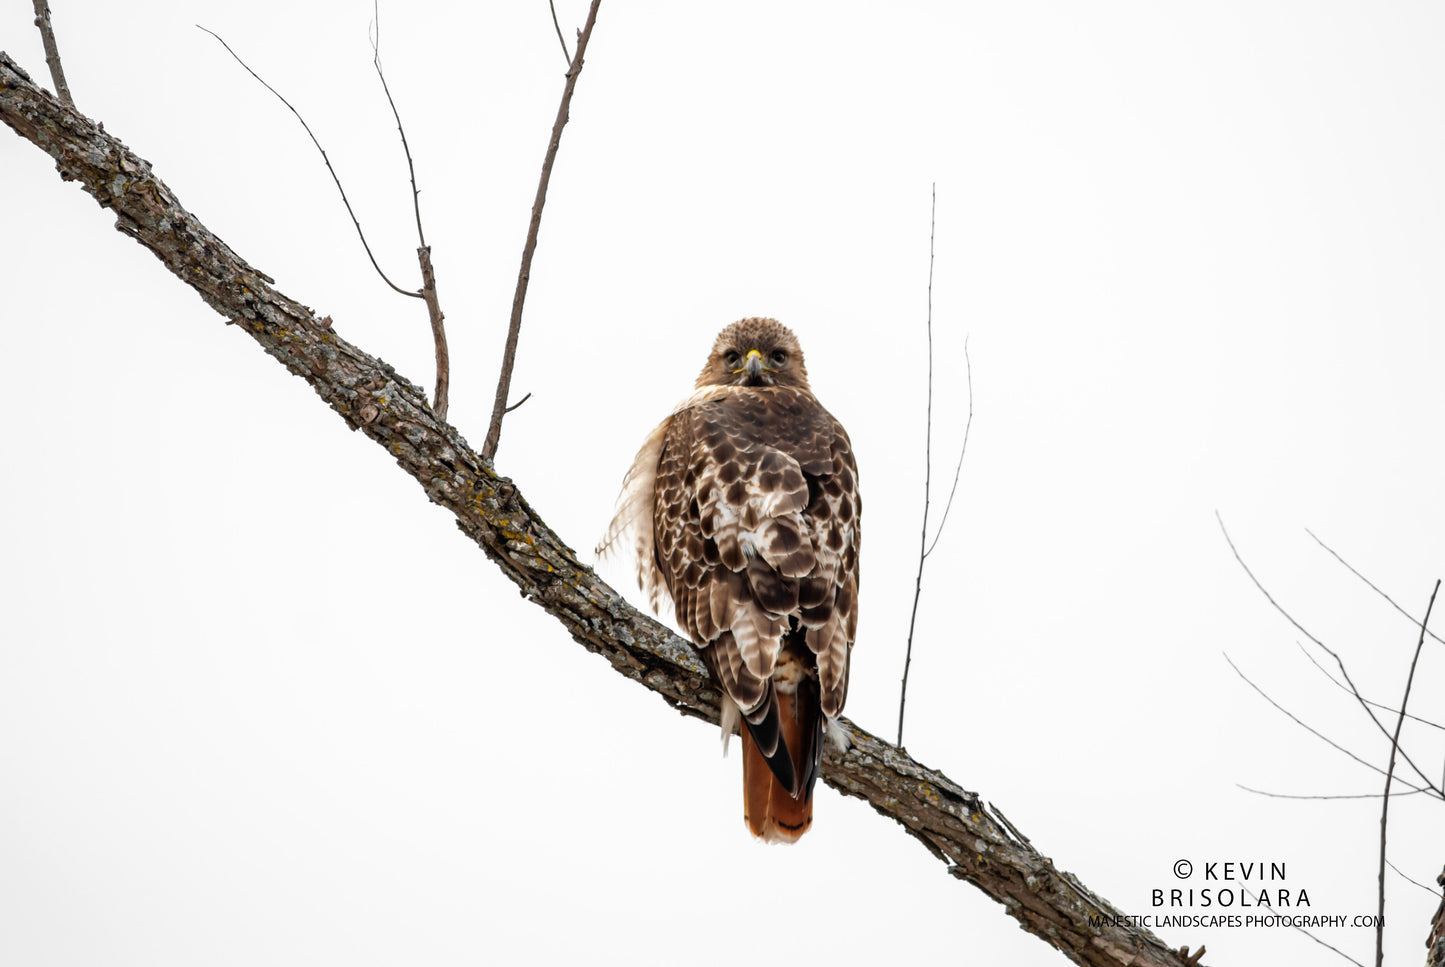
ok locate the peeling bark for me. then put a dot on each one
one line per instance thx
(976, 845)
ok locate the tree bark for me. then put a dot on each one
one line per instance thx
(954, 824)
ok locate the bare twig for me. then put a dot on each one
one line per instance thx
(1437, 790)
(565, 52)
(927, 471)
(52, 53)
(1405, 876)
(423, 252)
(1345, 688)
(514, 327)
(334, 177)
(1328, 946)
(1351, 568)
(1308, 728)
(518, 403)
(967, 426)
(1390, 775)
(375, 39)
(1288, 795)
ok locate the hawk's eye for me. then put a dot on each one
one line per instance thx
(731, 357)
(779, 357)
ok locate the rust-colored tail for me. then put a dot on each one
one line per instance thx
(771, 810)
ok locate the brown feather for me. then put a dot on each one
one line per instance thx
(745, 510)
(772, 812)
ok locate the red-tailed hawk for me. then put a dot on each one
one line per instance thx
(745, 510)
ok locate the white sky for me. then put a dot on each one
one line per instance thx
(261, 703)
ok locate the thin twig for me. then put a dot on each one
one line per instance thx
(52, 53)
(375, 39)
(1439, 791)
(1350, 567)
(1308, 728)
(518, 403)
(423, 252)
(1390, 775)
(1288, 795)
(334, 177)
(514, 327)
(1345, 688)
(565, 52)
(927, 470)
(1405, 876)
(943, 521)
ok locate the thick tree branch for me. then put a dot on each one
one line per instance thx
(370, 396)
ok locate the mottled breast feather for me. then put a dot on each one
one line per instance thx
(755, 532)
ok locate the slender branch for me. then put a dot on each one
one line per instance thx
(518, 403)
(927, 471)
(958, 468)
(52, 52)
(334, 176)
(524, 275)
(1351, 568)
(558, 27)
(1390, 775)
(373, 398)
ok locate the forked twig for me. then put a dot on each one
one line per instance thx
(514, 327)
(344, 200)
(1390, 775)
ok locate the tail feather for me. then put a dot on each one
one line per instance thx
(773, 811)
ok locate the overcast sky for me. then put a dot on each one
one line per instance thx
(260, 702)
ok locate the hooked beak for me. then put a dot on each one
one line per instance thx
(754, 364)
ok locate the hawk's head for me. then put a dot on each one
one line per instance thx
(755, 352)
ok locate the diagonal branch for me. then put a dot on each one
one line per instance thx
(370, 396)
(514, 327)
